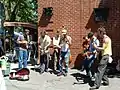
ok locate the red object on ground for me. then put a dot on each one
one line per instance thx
(22, 74)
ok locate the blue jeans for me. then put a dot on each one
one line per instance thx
(88, 65)
(23, 54)
(29, 54)
(64, 60)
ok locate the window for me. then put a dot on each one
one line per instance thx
(101, 14)
(48, 11)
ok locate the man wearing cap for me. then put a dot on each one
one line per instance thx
(65, 43)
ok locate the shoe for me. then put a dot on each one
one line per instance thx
(82, 69)
(46, 70)
(60, 74)
(65, 74)
(94, 87)
(105, 84)
(36, 66)
(55, 71)
(41, 72)
(92, 78)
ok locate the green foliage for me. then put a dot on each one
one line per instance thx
(20, 10)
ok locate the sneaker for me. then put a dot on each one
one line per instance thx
(46, 70)
(94, 87)
(41, 72)
(36, 66)
(92, 78)
(65, 74)
(82, 69)
(105, 84)
(60, 74)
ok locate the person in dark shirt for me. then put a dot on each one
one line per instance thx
(85, 44)
(28, 38)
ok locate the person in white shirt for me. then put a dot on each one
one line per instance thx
(65, 43)
(56, 46)
(44, 42)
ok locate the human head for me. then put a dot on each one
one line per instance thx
(64, 32)
(101, 32)
(90, 35)
(21, 33)
(27, 31)
(57, 32)
(21, 37)
(43, 33)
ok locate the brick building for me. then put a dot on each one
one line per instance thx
(79, 17)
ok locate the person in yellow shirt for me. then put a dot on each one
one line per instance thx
(106, 50)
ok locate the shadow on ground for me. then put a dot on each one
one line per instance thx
(82, 79)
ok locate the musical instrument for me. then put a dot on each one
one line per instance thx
(22, 74)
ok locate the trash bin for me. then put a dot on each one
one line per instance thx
(5, 66)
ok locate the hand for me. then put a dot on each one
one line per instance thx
(31, 42)
(40, 47)
(66, 40)
(56, 47)
(45, 48)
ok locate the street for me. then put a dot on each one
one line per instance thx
(49, 81)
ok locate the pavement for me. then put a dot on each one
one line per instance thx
(48, 81)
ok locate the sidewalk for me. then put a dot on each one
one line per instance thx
(48, 81)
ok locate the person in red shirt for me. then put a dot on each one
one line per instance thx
(85, 47)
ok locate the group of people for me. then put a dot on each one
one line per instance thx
(61, 43)
(93, 49)
(97, 49)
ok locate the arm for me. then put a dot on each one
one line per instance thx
(39, 43)
(56, 45)
(98, 48)
(49, 42)
(101, 48)
(69, 40)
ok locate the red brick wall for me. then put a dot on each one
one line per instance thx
(77, 15)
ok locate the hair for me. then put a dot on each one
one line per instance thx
(44, 31)
(84, 37)
(58, 31)
(102, 30)
(26, 30)
(90, 34)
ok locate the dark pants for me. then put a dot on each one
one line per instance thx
(56, 56)
(88, 66)
(1, 51)
(100, 75)
(44, 62)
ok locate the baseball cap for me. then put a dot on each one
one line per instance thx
(64, 31)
